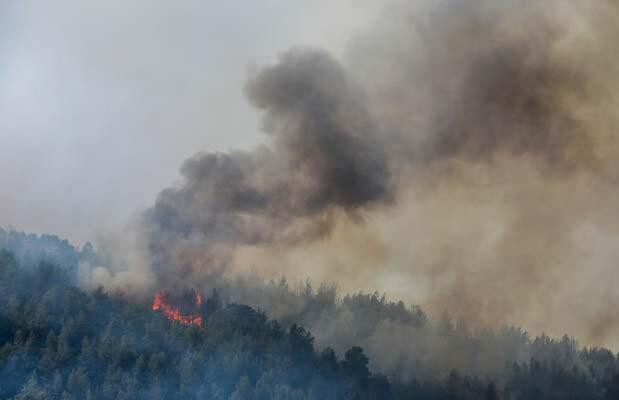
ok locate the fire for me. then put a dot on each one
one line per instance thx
(160, 303)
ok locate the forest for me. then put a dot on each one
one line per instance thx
(295, 200)
(59, 341)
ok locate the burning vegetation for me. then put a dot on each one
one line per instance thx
(185, 309)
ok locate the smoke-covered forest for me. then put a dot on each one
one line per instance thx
(58, 341)
(329, 199)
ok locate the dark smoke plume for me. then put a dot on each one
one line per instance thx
(322, 159)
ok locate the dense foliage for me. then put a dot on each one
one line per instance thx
(60, 342)
(31, 250)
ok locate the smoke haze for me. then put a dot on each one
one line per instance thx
(459, 155)
(462, 157)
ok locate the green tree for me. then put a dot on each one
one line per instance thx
(243, 390)
(32, 390)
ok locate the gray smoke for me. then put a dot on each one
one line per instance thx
(463, 156)
(322, 159)
(503, 116)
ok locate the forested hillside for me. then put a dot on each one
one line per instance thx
(31, 250)
(60, 342)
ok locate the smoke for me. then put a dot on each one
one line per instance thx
(502, 116)
(321, 161)
(462, 156)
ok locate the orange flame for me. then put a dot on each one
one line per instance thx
(174, 314)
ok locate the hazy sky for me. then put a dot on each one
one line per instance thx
(100, 102)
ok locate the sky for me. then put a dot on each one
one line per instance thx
(100, 102)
